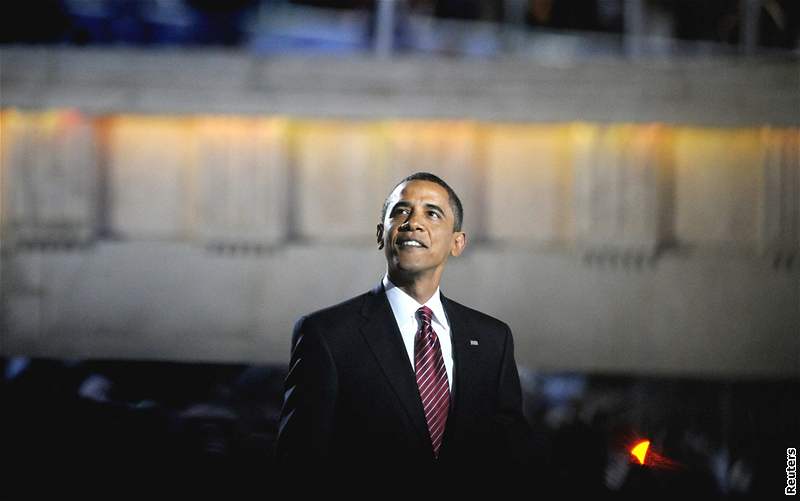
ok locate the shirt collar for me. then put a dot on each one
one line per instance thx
(406, 307)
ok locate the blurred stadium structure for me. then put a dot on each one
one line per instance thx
(180, 180)
(555, 29)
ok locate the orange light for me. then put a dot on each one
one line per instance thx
(639, 451)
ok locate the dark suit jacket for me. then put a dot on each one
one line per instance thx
(351, 397)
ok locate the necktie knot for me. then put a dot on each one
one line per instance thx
(426, 314)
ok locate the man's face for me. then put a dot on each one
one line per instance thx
(417, 233)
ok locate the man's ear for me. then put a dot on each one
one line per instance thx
(379, 235)
(459, 242)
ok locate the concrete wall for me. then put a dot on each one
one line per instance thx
(702, 91)
(622, 217)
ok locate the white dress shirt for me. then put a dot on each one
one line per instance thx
(405, 309)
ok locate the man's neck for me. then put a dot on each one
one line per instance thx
(420, 287)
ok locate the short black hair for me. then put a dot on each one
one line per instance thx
(455, 202)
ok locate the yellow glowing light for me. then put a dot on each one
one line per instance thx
(639, 450)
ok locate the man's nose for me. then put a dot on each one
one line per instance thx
(412, 222)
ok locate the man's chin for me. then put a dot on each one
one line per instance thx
(407, 268)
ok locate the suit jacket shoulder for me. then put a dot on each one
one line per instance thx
(478, 317)
(335, 315)
(344, 315)
(340, 317)
(489, 332)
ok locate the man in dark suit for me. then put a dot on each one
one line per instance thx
(403, 378)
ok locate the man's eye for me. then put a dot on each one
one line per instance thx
(435, 214)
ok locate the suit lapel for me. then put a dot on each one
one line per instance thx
(383, 337)
(466, 363)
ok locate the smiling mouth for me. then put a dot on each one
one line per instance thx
(410, 244)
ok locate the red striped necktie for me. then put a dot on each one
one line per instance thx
(434, 389)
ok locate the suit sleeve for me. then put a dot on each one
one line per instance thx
(309, 400)
(514, 430)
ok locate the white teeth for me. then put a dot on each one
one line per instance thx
(410, 243)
